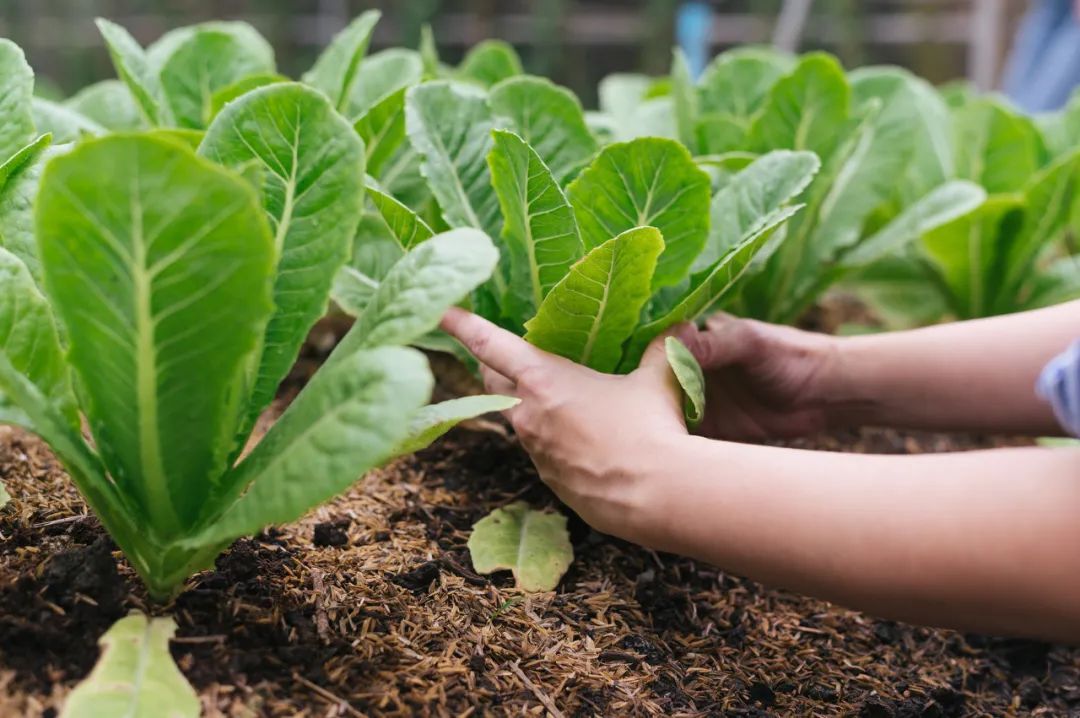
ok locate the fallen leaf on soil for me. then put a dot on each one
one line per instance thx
(535, 545)
(135, 675)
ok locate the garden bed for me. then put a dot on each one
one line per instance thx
(369, 606)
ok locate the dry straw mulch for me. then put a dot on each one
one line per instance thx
(369, 606)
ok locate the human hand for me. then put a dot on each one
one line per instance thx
(762, 381)
(596, 439)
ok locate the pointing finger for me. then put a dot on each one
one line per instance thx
(504, 352)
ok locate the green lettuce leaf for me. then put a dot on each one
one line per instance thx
(965, 253)
(16, 92)
(764, 186)
(378, 103)
(737, 83)
(548, 118)
(19, 180)
(995, 147)
(62, 122)
(805, 110)
(900, 292)
(347, 420)
(412, 298)
(337, 70)
(632, 107)
(434, 420)
(1057, 284)
(211, 57)
(449, 125)
(135, 70)
(1061, 129)
(241, 87)
(944, 204)
(138, 271)
(647, 182)
(712, 286)
(46, 417)
(23, 157)
(1049, 198)
(590, 313)
(108, 103)
(914, 116)
(540, 231)
(490, 62)
(685, 101)
(29, 340)
(691, 380)
(375, 252)
(313, 192)
(384, 74)
(408, 228)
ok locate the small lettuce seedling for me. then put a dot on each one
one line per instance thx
(178, 289)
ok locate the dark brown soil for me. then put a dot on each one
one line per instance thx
(369, 606)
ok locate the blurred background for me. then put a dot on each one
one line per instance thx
(576, 42)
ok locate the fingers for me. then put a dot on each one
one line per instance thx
(504, 352)
(496, 383)
(726, 341)
(719, 321)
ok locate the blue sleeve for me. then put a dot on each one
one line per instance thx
(1044, 65)
(1060, 385)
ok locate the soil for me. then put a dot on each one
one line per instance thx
(369, 606)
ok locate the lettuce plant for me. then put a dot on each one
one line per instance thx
(888, 170)
(170, 293)
(1061, 129)
(1005, 254)
(186, 77)
(602, 249)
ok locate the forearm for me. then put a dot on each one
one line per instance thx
(980, 541)
(968, 376)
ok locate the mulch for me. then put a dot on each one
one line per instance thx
(369, 606)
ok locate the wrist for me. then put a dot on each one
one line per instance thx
(847, 390)
(654, 489)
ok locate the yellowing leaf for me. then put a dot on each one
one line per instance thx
(135, 676)
(535, 545)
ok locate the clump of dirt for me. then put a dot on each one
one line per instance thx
(331, 533)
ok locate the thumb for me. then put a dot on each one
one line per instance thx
(654, 363)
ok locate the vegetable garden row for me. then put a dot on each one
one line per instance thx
(169, 239)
